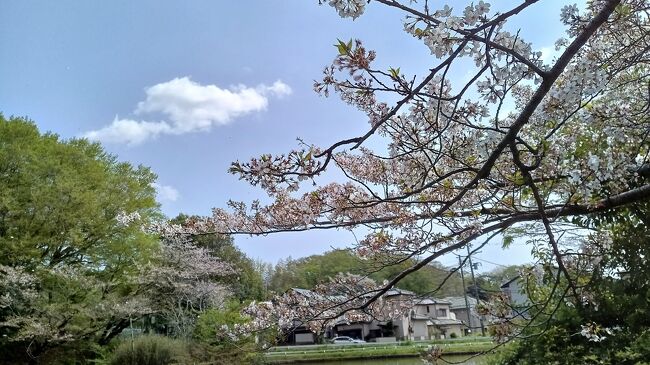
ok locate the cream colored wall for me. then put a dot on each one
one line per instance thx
(401, 332)
(433, 310)
(457, 329)
(420, 330)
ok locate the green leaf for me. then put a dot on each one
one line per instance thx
(342, 47)
(507, 241)
(518, 179)
(394, 72)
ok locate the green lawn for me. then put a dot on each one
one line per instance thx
(368, 351)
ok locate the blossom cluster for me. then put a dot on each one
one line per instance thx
(348, 8)
(271, 171)
(595, 333)
(518, 140)
(341, 300)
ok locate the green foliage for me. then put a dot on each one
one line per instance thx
(309, 271)
(59, 199)
(617, 311)
(215, 345)
(209, 326)
(58, 205)
(343, 47)
(151, 350)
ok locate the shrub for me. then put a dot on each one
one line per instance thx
(150, 350)
(214, 345)
(453, 335)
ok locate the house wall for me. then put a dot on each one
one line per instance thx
(433, 310)
(516, 293)
(420, 330)
(344, 329)
(457, 329)
(422, 309)
(447, 311)
(304, 338)
(401, 327)
(461, 314)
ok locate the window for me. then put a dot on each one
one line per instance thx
(427, 309)
(442, 312)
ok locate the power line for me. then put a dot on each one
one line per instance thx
(489, 262)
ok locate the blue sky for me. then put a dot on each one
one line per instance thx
(77, 66)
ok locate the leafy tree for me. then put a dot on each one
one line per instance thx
(66, 261)
(150, 350)
(218, 346)
(182, 282)
(612, 326)
(309, 271)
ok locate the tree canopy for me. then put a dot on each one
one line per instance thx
(59, 200)
(612, 324)
(66, 261)
(313, 270)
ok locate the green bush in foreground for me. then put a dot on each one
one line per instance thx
(151, 350)
(214, 345)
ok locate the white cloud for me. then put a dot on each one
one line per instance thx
(129, 131)
(278, 88)
(549, 54)
(166, 192)
(187, 106)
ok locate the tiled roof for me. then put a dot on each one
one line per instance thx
(428, 301)
(398, 291)
(445, 321)
(459, 302)
(507, 283)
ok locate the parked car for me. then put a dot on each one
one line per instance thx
(346, 339)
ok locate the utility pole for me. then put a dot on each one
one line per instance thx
(132, 340)
(471, 267)
(462, 277)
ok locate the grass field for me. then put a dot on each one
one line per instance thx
(294, 354)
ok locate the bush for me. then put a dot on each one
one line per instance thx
(453, 335)
(214, 345)
(150, 350)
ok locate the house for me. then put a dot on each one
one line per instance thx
(471, 320)
(298, 333)
(515, 290)
(376, 330)
(427, 319)
(422, 319)
(369, 331)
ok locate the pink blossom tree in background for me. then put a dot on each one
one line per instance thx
(524, 146)
(184, 283)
